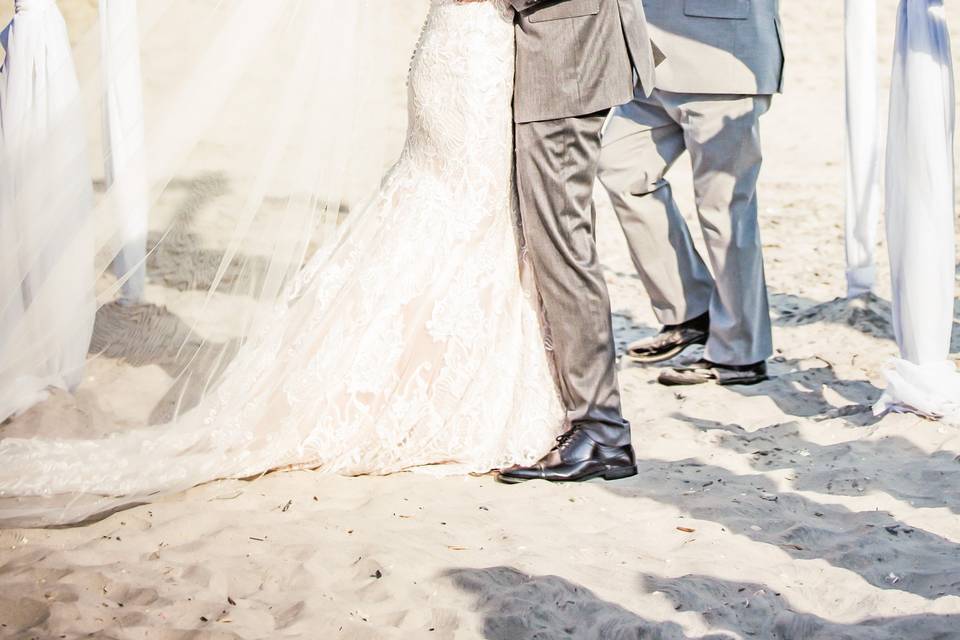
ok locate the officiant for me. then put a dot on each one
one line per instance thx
(724, 61)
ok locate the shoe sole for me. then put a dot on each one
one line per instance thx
(668, 382)
(666, 355)
(744, 382)
(737, 382)
(618, 473)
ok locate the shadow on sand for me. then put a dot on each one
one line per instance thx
(893, 465)
(517, 606)
(884, 551)
(145, 334)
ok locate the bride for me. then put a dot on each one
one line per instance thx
(412, 342)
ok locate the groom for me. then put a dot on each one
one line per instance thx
(576, 59)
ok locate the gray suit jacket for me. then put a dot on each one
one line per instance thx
(718, 46)
(576, 57)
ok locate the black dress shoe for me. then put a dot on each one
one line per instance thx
(672, 340)
(577, 457)
(704, 371)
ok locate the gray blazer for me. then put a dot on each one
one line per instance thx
(576, 57)
(718, 46)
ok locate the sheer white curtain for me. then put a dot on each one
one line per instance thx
(920, 214)
(123, 131)
(863, 147)
(46, 246)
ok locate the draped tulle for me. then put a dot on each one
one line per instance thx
(413, 341)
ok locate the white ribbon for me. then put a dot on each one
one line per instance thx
(124, 140)
(863, 148)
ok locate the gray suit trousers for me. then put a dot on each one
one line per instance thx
(641, 142)
(556, 168)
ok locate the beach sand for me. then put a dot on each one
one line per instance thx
(780, 511)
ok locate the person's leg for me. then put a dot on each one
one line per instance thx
(556, 167)
(640, 144)
(723, 138)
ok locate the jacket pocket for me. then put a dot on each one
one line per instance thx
(725, 9)
(564, 9)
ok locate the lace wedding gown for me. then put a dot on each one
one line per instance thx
(413, 342)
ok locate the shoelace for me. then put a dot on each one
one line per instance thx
(564, 438)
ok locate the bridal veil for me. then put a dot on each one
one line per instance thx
(142, 242)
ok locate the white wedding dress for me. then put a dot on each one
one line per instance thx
(412, 342)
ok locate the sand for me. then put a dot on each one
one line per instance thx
(785, 510)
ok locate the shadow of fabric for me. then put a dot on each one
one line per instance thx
(800, 393)
(145, 334)
(893, 466)
(869, 314)
(757, 611)
(516, 606)
(884, 551)
(176, 256)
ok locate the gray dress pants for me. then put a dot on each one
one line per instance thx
(556, 167)
(721, 132)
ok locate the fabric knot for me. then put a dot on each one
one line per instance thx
(22, 6)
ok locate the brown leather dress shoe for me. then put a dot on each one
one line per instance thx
(672, 340)
(576, 458)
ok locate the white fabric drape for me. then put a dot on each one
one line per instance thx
(920, 214)
(46, 251)
(123, 135)
(863, 148)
